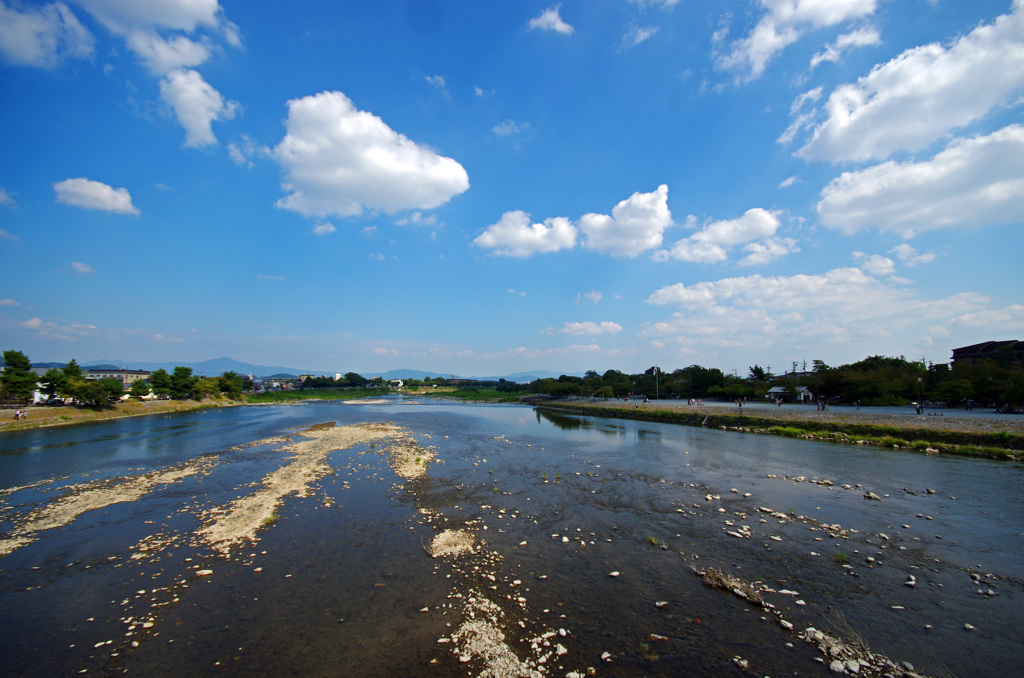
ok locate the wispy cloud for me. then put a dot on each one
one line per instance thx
(82, 269)
(587, 327)
(551, 20)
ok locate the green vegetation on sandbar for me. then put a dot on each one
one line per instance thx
(1001, 445)
(314, 394)
(477, 395)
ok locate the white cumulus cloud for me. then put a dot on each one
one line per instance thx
(974, 181)
(338, 160)
(42, 36)
(196, 105)
(875, 264)
(163, 55)
(713, 242)
(551, 20)
(910, 256)
(923, 94)
(636, 224)
(515, 236)
(94, 195)
(841, 308)
(185, 15)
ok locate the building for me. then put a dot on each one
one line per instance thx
(802, 394)
(126, 377)
(988, 350)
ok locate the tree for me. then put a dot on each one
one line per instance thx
(618, 382)
(230, 384)
(183, 384)
(758, 373)
(699, 380)
(353, 379)
(101, 392)
(17, 379)
(74, 381)
(54, 381)
(205, 386)
(160, 381)
(73, 370)
(139, 389)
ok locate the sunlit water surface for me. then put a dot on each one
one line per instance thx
(343, 575)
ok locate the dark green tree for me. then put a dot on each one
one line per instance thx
(758, 373)
(139, 389)
(230, 384)
(353, 379)
(101, 392)
(183, 384)
(17, 379)
(54, 382)
(73, 370)
(160, 381)
(618, 381)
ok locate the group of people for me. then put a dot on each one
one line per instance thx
(18, 414)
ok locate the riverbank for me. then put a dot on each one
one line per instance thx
(971, 436)
(40, 417)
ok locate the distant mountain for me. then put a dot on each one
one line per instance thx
(208, 368)
(526, 377)
(518, 377)
(218, 366)
(407, 374)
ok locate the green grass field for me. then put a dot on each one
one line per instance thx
(314, 394)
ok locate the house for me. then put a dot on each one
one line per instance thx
(802, 394)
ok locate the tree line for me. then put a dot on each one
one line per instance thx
(69, 383)
(877, 380)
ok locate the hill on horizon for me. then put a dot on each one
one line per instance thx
(218, 366)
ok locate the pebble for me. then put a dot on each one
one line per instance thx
(613, 574)
(969, 627)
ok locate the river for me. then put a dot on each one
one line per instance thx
(338, 581)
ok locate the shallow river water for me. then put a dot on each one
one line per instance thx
(340, 583)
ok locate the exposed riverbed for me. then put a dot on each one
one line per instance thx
(402, 537)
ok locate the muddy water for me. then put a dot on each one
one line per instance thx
(338, 583)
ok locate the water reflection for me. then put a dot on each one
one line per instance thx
(568, 422)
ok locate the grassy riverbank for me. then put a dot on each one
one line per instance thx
(40, 417)
(934, 435)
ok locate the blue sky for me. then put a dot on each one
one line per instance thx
(486, 188)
